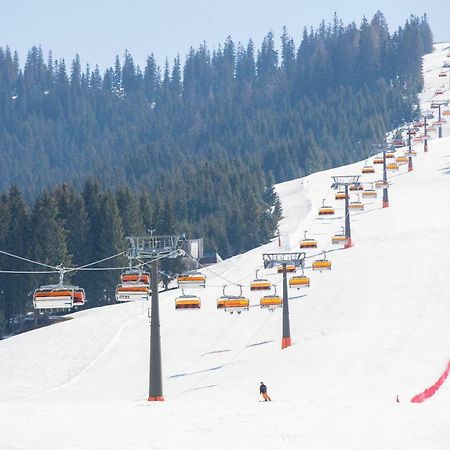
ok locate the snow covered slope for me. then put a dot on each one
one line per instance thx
(374, 328)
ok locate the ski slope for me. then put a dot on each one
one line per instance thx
(374, 328)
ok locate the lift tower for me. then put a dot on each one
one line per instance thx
(283, 259)
(154, 248)
(346, 181)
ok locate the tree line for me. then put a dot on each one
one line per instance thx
(72, 228)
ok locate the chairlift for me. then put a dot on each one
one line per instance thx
(271, 301)
(321, 264)
(308, 243)
(356, 187)
(370, 193)
(54, 297)
(442, 74)
(185, 301)
(339, 238)
(390, 154)
(392, 166)
(356, 205)
(381, 184)
(326, 210)
(400, 160)
(58, 296)
(259, 284)
(128, 292)
(367, 169)
(233, 303)
(378, 160)
(397, 143)
(409, 153)
(191, 280)
(299, 281)
(340, 195)
(79, 296)
(135, 276)
(439, 91)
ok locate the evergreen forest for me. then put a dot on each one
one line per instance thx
(88, 157)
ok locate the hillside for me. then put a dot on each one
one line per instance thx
(374, 328)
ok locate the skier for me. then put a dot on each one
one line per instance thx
(263, 392)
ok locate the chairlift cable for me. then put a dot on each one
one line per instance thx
(93, 263)
(28, 260)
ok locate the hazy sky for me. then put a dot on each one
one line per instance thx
(100, 29)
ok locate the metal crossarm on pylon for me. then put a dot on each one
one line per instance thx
(148, 247)
(278, 259)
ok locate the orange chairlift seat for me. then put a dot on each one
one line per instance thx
(370, 193)
(356, 205)
(381, 184)
(58, 296)
(339, 238)
(308, 243)
(400, 160)
(233, 303)
(378, 160)
(128, 292)
(326, 210)
(135, 285)
(260, 284)
(135, 276)
(356, 187)
(299, 281)
(54, 297)
(340, 195)
(79, 297)
(321, 264)
(392, 166)
(397, 143)
(367, 169)
(390, 154)
(271, 301)
(185, 301)
(191, 280)
(409, 153)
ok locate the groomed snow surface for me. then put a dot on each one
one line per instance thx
(374, 328)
